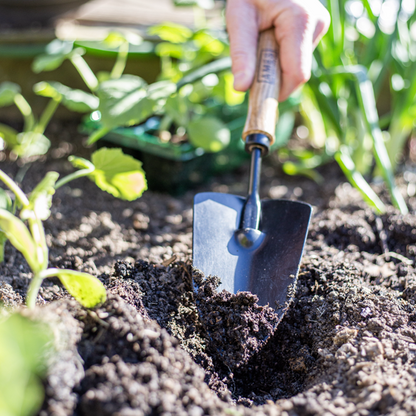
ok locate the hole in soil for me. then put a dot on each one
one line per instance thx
(237, 364)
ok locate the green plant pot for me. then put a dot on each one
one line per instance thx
(175, 168)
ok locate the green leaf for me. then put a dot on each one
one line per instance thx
(120, 175)
(20, 237)
(178, 107)
(56, 53)
(80, 162)
(171, 32)
(123, 101)
(8, 90)
(6, 204)
(225, 90)
(41, 197)
(209, 133)
(5, 200)
(9, 135)
(85, 288)
(358, 181)
(73, 99)
(24, 344)
(31, 144)
(160, 90)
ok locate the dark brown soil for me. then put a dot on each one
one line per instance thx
(347, 345)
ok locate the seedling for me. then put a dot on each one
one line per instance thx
(32, 141)
(183, 109)
(112, 171)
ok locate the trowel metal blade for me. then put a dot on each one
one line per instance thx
(268, 269)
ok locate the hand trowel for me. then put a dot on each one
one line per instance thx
(251, 244)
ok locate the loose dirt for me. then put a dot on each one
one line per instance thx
(347, 345)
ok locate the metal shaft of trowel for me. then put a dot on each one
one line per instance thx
(252, 206)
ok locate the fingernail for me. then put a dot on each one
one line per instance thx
(240, 79)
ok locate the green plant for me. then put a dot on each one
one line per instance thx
(182, 107)
(111, 170)
(339, 104)
(24, 346)
(32, 141)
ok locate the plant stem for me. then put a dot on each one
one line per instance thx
(26, 111)
(121, 61)
(97, 135)
(85, 71)
(33, 290)
(9, 182)
(74, 175)
(47, 115)
(38, 234)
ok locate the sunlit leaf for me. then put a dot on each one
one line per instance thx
(9, 135)
(5, 200)
(120, 175)
(177, 107)
(73, 99)
(20, 237)
(170, 49)
(56, 53)
(209, 133)
(41, 197)
(80, 162)
(160, 90)
(8, 90)
(226, 92)
(6, 204)
(124, 101)
(85, 288)
(358, 181)
(31, 144)
(171, 32)
(24, 344)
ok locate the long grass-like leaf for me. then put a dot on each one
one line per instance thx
(366, 100)
(357, 180)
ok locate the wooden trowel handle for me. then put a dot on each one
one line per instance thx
(264, 91)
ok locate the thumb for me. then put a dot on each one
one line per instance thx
(243, 41)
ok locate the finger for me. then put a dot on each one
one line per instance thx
(243, 41)
(322, 24)
(295, 38)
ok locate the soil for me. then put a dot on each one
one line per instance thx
(346, 346)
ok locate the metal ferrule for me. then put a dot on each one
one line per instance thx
(257, 140)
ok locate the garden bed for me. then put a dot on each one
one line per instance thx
(347, 346)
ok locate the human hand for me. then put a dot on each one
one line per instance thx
(299, 26)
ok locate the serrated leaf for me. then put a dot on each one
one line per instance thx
(20, 237)
(31, 144)
(124, 101)
(85, 288)
(209, 133)
(118, 174)
(73, 99)
(40, 198)
(8, 90)
(171, 32)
